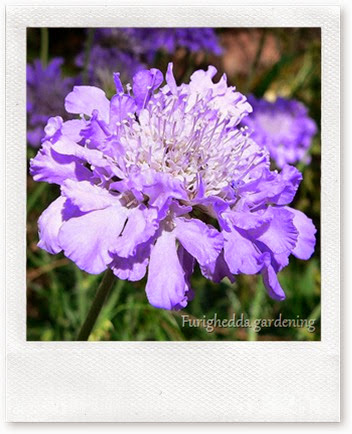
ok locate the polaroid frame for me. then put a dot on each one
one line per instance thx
(171, 381)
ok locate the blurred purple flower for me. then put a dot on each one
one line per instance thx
(128, 50)
(283, 127)
(46, 90)
(163, 178)
(104, 61)
(148, 41)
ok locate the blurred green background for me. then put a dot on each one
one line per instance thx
(265, 62)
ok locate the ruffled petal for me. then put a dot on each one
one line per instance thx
(141, 225)
(306, 234)
(88, 197)
(289, 178)
(134, 267)
(278, 188)
(271, 282)
(166, 286)
(247, 220)
(54, 168)
(217, 270)
(72, 129)
(86, 240)
(200, 240)
(51, 220)
(240, 253)
(280, 235)
(49, 224)
(86, 99)
(55, 128)
(93, 157)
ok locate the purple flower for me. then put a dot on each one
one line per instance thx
(283, 127)
(148, 41)
(163, 178)
(46, 90)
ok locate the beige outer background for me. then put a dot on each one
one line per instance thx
(171, 381)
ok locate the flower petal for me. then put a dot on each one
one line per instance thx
(141, 225)
(134, 267)
(93, 157)
(86, 99)
(290, 178)
(240, 253)
(51, 220)
(247, 220)
(200, 240)
(217, 270)
(72, 129)
(86, 240)
(271, 282)
(86, 196)
(306, 234)
(280, 235)
(187, 262)
(166, 286)
(120, 107)
(144, 83)
(49, 224)
(54, 168)
(278, 188)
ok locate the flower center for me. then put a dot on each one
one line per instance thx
(188, 138)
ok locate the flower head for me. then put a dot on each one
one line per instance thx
(46, 90)
(162, 178)
(283, 127)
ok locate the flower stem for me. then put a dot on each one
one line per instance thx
(87, 49)
(256, 309)
(98, 302)
(37, 194)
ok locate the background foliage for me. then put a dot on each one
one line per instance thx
(265, 62)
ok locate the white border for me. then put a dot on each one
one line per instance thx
(183, 381)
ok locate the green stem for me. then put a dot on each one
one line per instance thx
(37, 194)
(98, 302)
(87, 49)
(44, 45)
(255, 311)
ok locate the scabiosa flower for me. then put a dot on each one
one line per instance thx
(46, 90)
(162, 178)
(283, 127)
